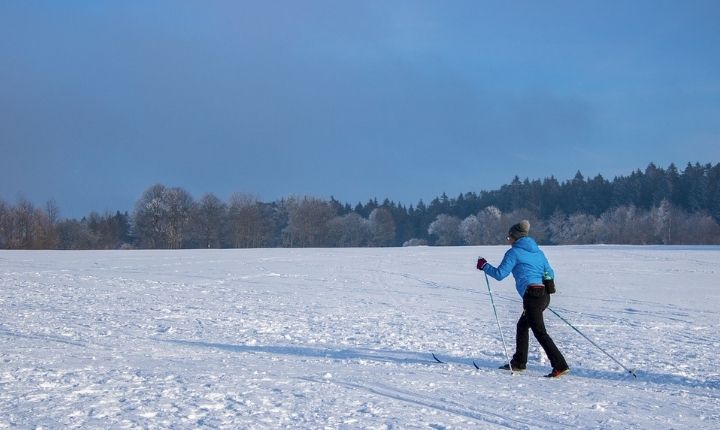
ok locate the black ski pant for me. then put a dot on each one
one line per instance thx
(532, 318)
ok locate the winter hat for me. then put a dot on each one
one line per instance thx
(520, 229)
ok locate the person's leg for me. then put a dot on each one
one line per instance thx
(534, 314)
(522, 338)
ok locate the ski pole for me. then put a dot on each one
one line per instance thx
(632, 372)
(498, 324)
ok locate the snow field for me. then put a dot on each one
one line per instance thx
(341, 338)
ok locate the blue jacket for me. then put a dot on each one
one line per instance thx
(527, 263)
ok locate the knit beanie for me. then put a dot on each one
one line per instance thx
(520, 229)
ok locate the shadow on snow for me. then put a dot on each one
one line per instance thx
(411, 357)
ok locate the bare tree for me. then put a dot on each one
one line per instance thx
(74, 234)
(45, 236)
(249, 225)
(5, 225)
(53, 211)
(51, 217)
(208, 221)
(94, 231)
(307, 222)
(23, 233)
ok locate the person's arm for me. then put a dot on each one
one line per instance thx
(505, 267)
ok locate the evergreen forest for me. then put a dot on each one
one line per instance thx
(655, 206)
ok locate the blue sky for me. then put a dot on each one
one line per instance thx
(400, 99)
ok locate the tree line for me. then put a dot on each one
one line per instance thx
(654, 206)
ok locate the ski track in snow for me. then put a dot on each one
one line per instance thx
(342, 338)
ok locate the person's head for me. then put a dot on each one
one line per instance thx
(518, 231)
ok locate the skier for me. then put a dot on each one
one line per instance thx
(530, 268)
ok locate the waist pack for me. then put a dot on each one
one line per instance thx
(549, 285)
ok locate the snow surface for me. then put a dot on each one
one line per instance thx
(342, 338)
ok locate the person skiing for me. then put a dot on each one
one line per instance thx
(531, 271)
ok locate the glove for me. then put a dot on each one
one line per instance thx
(481, 263)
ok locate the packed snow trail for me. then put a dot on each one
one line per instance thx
(342, 338)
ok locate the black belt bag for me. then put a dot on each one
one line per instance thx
(549, 285)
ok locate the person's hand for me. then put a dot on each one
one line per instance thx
(481, 263)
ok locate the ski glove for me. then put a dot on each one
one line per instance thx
(481, 263)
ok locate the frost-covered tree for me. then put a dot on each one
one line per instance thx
(578, 228)
(555, 226)
(349, 230)
(382, 227)
(447, 230)
(696, 228)
(661, 217)
(415, 242)
(162, 216)
(149, 218)
(179, 204)
(492, 226)
(471, 231)
(626, 225)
